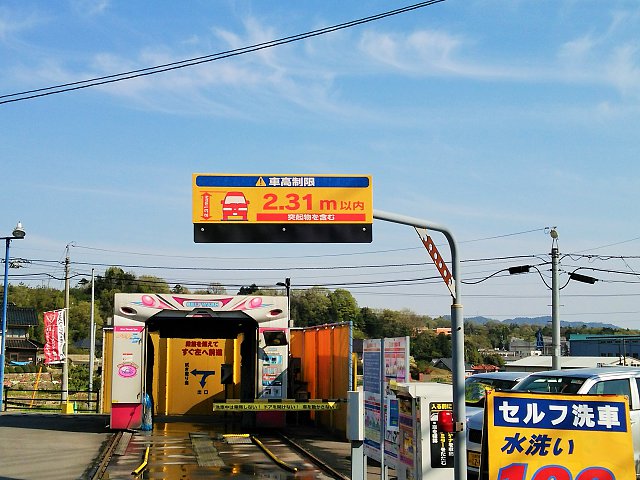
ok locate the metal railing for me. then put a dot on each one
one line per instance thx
(49, 400)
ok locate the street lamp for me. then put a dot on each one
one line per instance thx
(287, 286)
(17, 234)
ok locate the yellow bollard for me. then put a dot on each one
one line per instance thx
(67, 408)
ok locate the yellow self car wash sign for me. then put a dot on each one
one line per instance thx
(559, 437)
(281, 208)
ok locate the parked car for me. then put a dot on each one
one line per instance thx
(578, 381)
(476, 385)
(475, 388)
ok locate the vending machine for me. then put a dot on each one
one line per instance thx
(425, 448)
(273, 362)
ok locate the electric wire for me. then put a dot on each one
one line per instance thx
(200, 257)
(107, 79)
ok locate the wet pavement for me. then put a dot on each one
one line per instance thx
(194, 450)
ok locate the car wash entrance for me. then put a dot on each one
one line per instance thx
(185, 352)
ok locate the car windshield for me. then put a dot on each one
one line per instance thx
(550, 384)
(475, 389)
(235, 199)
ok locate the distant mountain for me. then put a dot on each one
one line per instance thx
(540, 321)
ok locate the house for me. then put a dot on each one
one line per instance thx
(483, 368)
(604, 345)
(539, 363)
(443, 330)
(447, 364)
(443, 363)
(18, 346)
(523, 348)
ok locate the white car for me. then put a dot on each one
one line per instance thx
(475, 387)
(605, 380)
(476, 384)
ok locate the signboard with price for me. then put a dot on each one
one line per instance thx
(558, 437)
(266, 208)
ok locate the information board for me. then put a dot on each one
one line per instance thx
(570, 437)
(266, 208)
(385, 361)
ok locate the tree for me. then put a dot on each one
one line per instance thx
(179, 289)
(442, 346)
(422, 345)
(311, 307)
(250, 290)
(491, 359)
(115, 280)
(498, 334)
(399, 323)
(371, 323)
(216, 288)
(151, 284)
(344, 307)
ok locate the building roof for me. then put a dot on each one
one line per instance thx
(595, 337)
(545, 362)
(21, 316)
(447, 363)
(20, 344)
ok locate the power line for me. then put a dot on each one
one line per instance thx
(92, 82)
(610, 245)
(200, 257)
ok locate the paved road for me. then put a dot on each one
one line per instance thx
(50, 446)
(66, 447)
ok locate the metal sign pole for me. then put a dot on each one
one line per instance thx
(457, 336)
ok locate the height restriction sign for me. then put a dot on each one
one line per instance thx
(282, 208)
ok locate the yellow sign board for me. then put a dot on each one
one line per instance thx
(289, 199)
(274, 406)
(192, 373)
(562, 437)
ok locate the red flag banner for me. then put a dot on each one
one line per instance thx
(54, 336)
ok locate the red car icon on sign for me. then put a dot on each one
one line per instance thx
(234, 206)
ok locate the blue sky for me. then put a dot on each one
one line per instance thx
(496, 119)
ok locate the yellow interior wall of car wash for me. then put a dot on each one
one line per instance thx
(186, 374)
(107, 350)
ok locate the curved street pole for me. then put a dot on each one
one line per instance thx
(457, 337)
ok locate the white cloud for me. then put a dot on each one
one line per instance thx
(90, 7)
(622, 70)
(14, 22)
(307, 78)
(423, 52)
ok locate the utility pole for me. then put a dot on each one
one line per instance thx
(92, 333)
(65, 365)
(555, 301)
